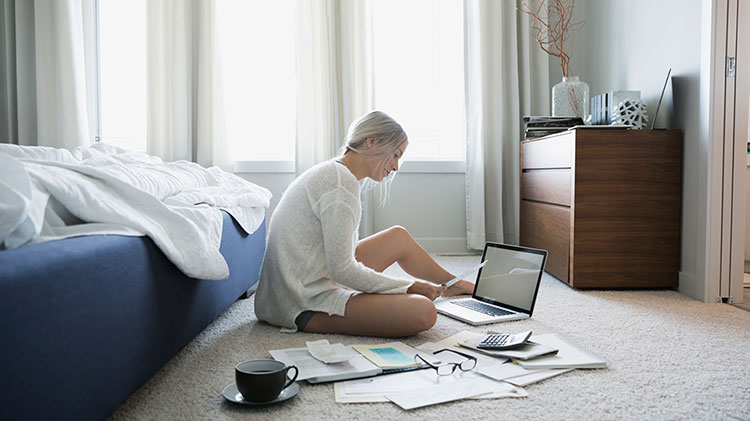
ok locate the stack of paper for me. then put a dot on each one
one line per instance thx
(518, 373)
(414, 389)
(570, 355)
(495, 375)
(528, 351)
(315, 371)
(519, 376)
(354, 362)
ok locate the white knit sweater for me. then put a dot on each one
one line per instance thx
(309, 263)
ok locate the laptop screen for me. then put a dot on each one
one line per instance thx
(511, 276)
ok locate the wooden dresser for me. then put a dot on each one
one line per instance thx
(605, 204)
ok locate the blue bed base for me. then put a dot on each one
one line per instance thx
(85, 321)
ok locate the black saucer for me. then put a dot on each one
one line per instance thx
(232, 394)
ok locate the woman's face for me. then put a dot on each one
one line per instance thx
(383, 167)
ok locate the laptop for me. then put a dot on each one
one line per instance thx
(505, 288)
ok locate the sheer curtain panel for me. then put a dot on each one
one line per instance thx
(184, 118)
(506, 78)
(47, 57)
(333, 86)
(334, 81)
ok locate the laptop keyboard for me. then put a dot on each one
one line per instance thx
(481, 307)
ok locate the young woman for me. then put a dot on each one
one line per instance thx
(317, 277)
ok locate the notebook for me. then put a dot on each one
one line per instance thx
(505, 288)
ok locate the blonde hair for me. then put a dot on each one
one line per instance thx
(386, 137)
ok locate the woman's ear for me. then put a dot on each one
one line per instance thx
(369, 141)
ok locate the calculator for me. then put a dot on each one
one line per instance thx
(500, 341)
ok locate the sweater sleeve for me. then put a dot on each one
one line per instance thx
(338, 222)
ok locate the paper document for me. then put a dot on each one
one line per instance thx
(537, 376)
(439, 393)
(503, 371)
(508, 372)
(389, 355)
(465, 274)
(329, 354)
(341, 395)
(450, 357)
(375, 389)
(315, 371)
(517, 375)
(570, 355)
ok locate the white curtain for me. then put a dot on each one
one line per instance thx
(47, 62)
(184, 118)
(334, 81)
(506, 78)
(332, 76)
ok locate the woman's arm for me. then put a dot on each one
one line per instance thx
(338, 223)
(428, 289)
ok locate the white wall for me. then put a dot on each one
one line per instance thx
(432, 206)
(578, 56)
(629, 45)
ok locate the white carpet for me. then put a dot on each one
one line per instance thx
(670, 357)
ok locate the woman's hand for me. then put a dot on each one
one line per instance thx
(428, 289)
(460, 288)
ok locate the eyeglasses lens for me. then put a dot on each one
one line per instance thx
(468, 365)
(446, 370)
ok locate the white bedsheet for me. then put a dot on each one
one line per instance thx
(48, 193)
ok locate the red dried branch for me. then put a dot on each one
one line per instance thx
(554, 30)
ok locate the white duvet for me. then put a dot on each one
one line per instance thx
(48, 193)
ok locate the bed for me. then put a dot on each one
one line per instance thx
(110, 263)
(85, 321)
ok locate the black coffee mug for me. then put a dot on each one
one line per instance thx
(262, 380)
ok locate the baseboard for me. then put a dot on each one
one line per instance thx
(472, 253)
(444, 245)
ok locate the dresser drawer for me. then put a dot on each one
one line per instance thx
(551, 152)
(548, 227)
(551, 186)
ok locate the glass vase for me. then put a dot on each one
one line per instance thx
(570, 98)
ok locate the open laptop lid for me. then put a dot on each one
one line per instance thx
(511, 276)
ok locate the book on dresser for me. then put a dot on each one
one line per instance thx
(605, 204)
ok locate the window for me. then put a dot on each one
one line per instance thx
(257, 60)
(418, 72)
(122, 73)
(417, 66)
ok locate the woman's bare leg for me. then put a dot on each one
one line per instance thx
(383, 315)
(396, 245)
(389, 315)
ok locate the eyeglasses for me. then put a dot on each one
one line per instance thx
(449, 368)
